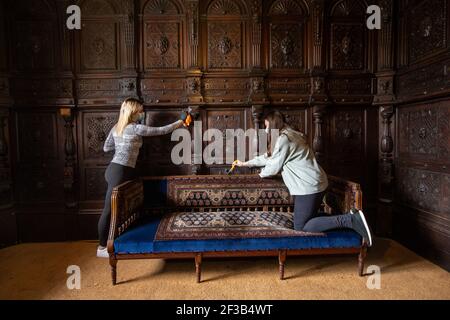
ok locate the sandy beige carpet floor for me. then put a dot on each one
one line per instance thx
(38, 271)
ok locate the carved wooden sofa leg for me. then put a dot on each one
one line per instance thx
(361, 258)
(198, 266)
(281, 261)
(113, 264)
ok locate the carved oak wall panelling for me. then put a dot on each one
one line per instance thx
(229, 90)
(155, 156)
(163, 91)
(297, 118)
(93, 130)
(105, 46)
(428, 23)
(424, 190)
(223, 119)
(3, 45)
(226, 38)
(346, 143)
(40, 165)
(286, 31)
(289, 90)
(348, 38)
(6, 191)
(423, 82)
(351, 90)
(34, 25)
(424, 132)
(163, 35)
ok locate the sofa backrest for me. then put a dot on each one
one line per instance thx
(239, 192)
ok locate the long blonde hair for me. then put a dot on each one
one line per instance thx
(130, 109)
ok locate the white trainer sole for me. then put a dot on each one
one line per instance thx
(366, 226)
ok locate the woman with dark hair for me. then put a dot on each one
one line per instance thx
(304, 178)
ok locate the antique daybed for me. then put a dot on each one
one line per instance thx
(221, 216)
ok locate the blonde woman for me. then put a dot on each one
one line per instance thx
(125, 138)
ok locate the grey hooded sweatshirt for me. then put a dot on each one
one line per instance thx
(294, 158)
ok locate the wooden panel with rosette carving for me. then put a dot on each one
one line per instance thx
(3, 45)
(223, 120)
(99, 46)
(348, 34)
(225, 49)
(163, 25)
(287, 35)
(35, 45)
(346, 142)
(95, 129)
(428, 24)
(347, 42)
(424, 133)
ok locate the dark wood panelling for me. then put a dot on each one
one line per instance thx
(422, 213)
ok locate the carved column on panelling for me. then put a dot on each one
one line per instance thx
(317, 33)
(65, 35)
(197, 155)
(5, 170)
(128, 9)
(193, 32)
(318, 141)
(256, 11)
(70, 161)
(257, 114)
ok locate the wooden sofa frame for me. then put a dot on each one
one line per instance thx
(127, 206)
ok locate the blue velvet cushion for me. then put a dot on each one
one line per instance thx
(140, 239)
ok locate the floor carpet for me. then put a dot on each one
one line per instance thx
(39, 271)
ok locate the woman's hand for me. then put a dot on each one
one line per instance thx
(186, 117)
(239, 163)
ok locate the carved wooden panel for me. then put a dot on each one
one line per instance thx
(34, 26)
(284, 89)
(41, 183)
(95, 183)
(350, 86)
(223, 120)
(99, 46)
(286, 45)
(95, 129)
(163, 45)
(424, 190)
(39, 88)
(225, 47)
(433, 78)
(226, 90)
(425, 131)
(428, 23)
(35, 48)
(296, 118)
(345, 144)
(3, 51)
(157, 150)
(347, 46)
(105, 89)
(37, 137)
(163, 90)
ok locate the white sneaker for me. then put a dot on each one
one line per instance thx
(102, 252)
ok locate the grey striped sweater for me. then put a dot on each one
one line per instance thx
(127, 146)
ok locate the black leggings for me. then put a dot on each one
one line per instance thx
(308, 219)
(115, 175)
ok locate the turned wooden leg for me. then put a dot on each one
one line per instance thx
(361, 257)
(281, 260)
(198, 266)
(113, 264)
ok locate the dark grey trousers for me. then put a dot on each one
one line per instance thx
(115, 175)
(308, 219)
